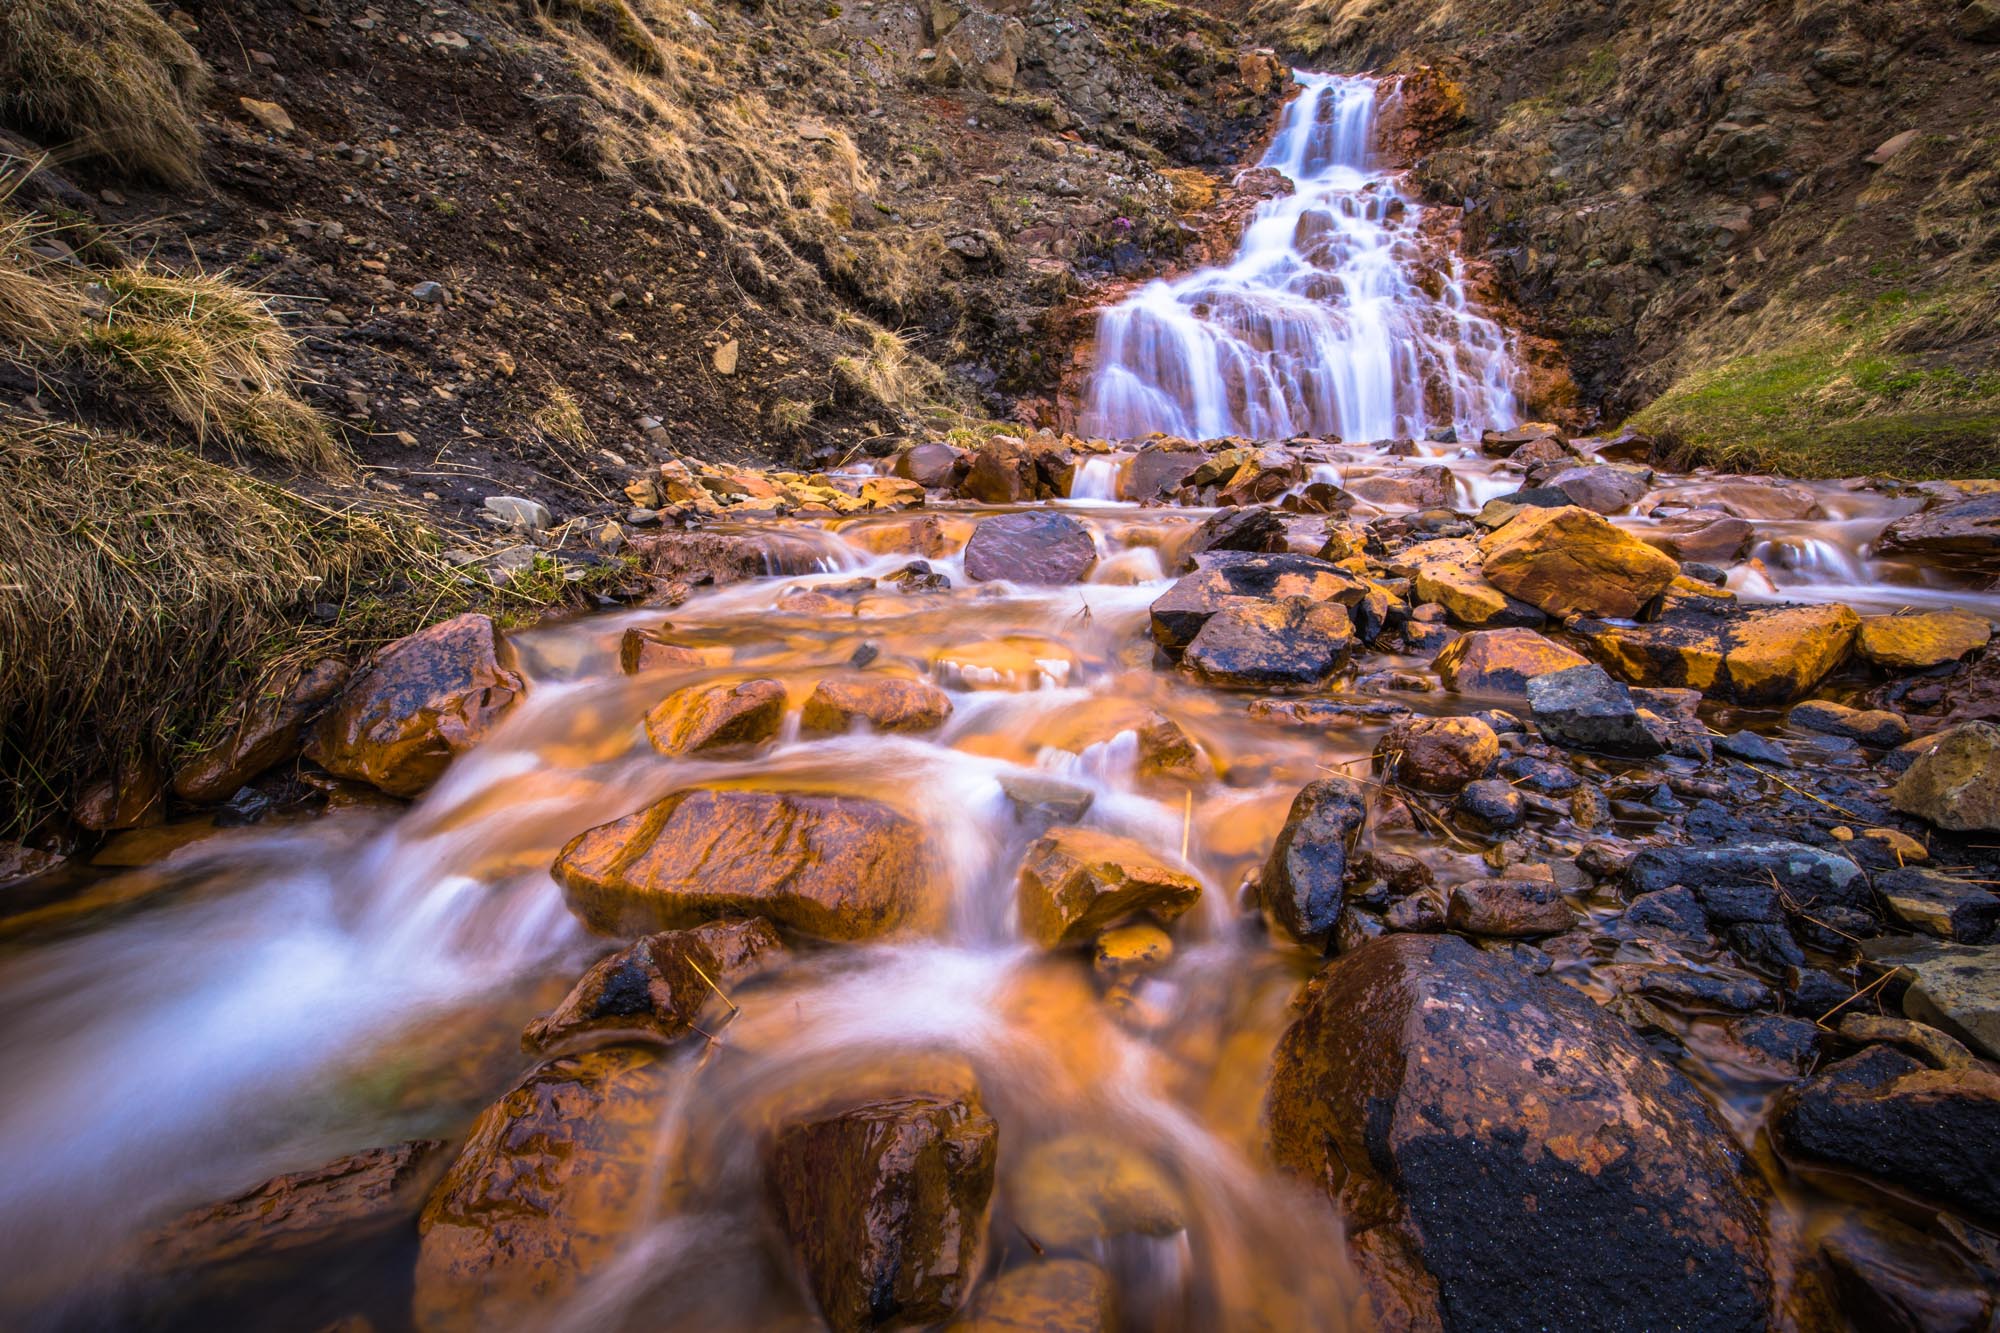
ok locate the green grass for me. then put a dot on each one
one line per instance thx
(1838, 399)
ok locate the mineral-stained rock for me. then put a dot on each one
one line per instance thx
(1301, 884)
(1074, 882)
(1272, 645)
(1583, 707)
(1569, 561)
(1955, 784)
(267, 733)
(718, 713)
(1761, 655)
(703, 557)
(1046, 1296)
(1507, 1157)
(1922, 640)
(1037, 546)
(1447, 571)
(421, 701)
(884, 702)
(932, 466)
(1508, 908)
(660, 985)
(1500, 661)
(1874, 726)
(835, 867)
(1939, 905)
(884, 1205)
(1932, 1131)
(1225, 576)
(354, 1195)
(1438, 754)
(1002, 472)
(556, 1175)
(1962, 534)
(1082, 1188)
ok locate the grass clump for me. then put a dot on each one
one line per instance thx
(1860, 391)
(560, 417)
(109, 77)
(37, 309)
(213, 356)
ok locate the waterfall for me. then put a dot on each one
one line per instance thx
(1337, 317)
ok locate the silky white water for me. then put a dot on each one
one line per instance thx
(1337, 318)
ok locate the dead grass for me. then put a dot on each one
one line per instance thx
(109, 77)
(560, 417)
(213, 356)
(36, 310)
(140, 588)
(887, 374)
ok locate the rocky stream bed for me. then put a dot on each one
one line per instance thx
(1482, 884)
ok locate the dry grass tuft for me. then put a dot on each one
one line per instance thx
(613, 23)
(214, 356)
(36, 308)
(140, 587)
(109, 77)
(561, 418)
(887, 373)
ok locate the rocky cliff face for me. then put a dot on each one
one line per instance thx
(1766, 230)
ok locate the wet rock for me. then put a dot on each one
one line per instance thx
(701, 557)
(1011, 662)
(267, 733)
(1490, 804)
(649, 650)
(1302, 882)
(1711, 988)
(1045, 800)
(1741, 497)
(1570, 561)
(1506, 1157)
(1740, 880)
(1180, 612)
(554, 1178)
(1500, 661)
(1939, 905)
(421, 701)
(1963, 534)
(1763, 655)
(717, 714)
(1934, 1046)
(1002, 472)
(1429, 487)
(1875, 727)
(1124, 950)
(1155, 473)
(1538, 775)
(1922, 640)
(918, 576)
(1935, 1132)
(1074, 882)
(1721, 541)
(834, 867)
(1259, 531)
(1049, 1296)
(1752, 748)
(1037, 546)
(1889, 1277)
(1508, 908)
(1272, 645)
(1584, 708)
(1506, 443)
(1955, 784)
(1786, 1045)
(933, 466)
(1602, 489)
(1957, 989)
(1438, 754)
(661, 986)
(884, 1206)
(886, 703)
(352, 1196)
(1082, 1188)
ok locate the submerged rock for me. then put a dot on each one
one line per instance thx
(1302, 882)
(1761, 655)
(556, 1175)
(1082, 1188)
(1047, 1296)
(721, 713)
(1570, 561)
(1509, 908)
(1074, 882)
(661, 985)
(834, 867)
(1506, 1156)
(884, 1205)
(884, 702)
(419, 703)
(1037, 546)
(1955, 783)
(1741, 881)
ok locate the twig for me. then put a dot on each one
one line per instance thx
(1869, 989)
(711, 984)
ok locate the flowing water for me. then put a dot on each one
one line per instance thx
(325, 983)
(1338, 317)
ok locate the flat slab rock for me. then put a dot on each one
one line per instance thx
(1506, 1156)
(1036, 546)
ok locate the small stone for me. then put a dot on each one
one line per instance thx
(430, 293)
(1955, 784)
(1921, 641)
(886, 703)
(1138, 947)
(725, 356)
(527, 516)
(1075, 882)
(1438, 754)
(268, 114)
(1883, 730)
(709, 716)
(1490, 804)
(1752, 748)
(1509, 908)
(1302, 883)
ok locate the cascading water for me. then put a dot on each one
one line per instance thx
(1337, 317)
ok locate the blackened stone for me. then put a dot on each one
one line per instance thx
(1810, 992)
(1766, 945)
(1490, 803)
(1939, 905)
(1752, 748)
(1424, 1087)
(1790, 1043)
(1180, 612)
(1256, 530)
(1302, 882)
(1933, 1131)
(1714, 988)
(1539, 775)
(1672, 911)
(1808, 875)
